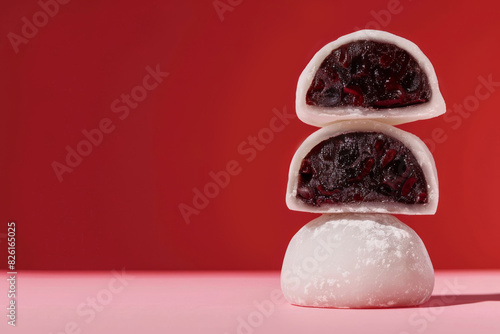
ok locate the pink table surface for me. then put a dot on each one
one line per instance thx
(233, 302)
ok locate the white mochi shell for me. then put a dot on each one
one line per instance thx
(412, 142)
(321, 116)
(356, 261)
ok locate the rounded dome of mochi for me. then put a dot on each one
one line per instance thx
(356, 261)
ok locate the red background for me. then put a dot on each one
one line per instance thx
(120, 206)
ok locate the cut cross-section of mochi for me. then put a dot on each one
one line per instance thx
(363, 166)
(356, 261)
(368, 74)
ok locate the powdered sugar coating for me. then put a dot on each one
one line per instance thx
(356, 261)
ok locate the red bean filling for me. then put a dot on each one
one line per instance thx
(361, 167)
(369, 74)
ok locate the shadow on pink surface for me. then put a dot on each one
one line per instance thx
(452, 300)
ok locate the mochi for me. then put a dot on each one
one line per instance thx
(368, 74)
(356, 261)
(363, 166)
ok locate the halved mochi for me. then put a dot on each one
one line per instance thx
(356, 261)
(368, 74)
(363, 166)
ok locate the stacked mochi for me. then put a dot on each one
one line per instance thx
(357, 170)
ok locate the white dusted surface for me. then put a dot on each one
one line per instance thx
(356, 261)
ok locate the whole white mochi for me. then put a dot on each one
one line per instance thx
(356, 261)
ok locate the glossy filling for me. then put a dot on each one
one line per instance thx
(369, 74)
(361, 167)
